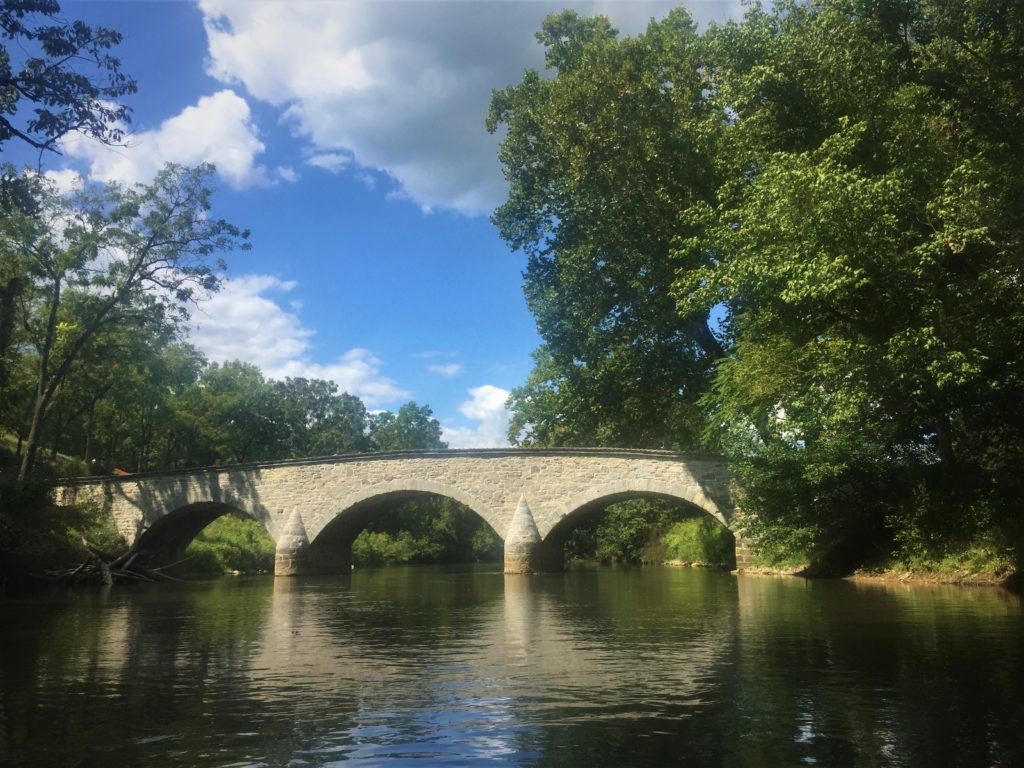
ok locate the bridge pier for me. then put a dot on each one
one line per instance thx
(292, 555)
(744, 554)
(522, 542)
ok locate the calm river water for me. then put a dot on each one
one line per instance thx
(439, 667)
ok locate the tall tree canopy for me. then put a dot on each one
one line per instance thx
(413, 427)
(603, 160)
(63, 72)
(869, 249)
(842, 182)
(109, 257)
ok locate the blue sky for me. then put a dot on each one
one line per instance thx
(349, 138)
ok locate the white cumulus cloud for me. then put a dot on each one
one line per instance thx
(356, 372)
(486, 407)
(65, 180)
(329, 161)
(401, 87)
(243, 322)
(447, 370)
(218, 129)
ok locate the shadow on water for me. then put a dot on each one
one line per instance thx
(467, 667)
(128, 662)
(839, 673)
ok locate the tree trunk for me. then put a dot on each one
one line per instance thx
(43, 393)
(28, 461)
(89, 425)
(944, 439)
(7, 296)
(705, 338)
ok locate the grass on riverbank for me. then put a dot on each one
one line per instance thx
(48, 465)
(981, 560)
(234, 543)
(977, 562)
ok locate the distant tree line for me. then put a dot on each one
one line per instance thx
(95, 359)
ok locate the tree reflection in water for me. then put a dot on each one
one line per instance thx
(448, 666)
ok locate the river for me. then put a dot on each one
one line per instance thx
(434, 666)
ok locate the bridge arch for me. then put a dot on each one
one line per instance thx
(574, 511)
(168, 536)
(393, 490)
(330, 543)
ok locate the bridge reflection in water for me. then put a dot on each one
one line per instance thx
(495, 638)
(631, 666)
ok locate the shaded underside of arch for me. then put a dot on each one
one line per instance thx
(330, 549)
(577, 510)
(601, 496)
(346, 525)
(171, 534)
(356, 514)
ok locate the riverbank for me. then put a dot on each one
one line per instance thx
(1006, 579)
(1011, 580)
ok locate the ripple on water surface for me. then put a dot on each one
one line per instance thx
(426, 666)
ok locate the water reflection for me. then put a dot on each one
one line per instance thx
(639, 667)
(881, 674)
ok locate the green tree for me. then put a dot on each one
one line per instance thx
(841, 181)
(19, 207)
(868, 247)
(231, 415)
(320, 421)
(16, 407)
(112, 396)
(604, 159)
(41, 65)
(130, 422)
(121, 256)
(413, 427)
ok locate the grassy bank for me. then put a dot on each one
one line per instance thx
(980, 561)
(49, 464)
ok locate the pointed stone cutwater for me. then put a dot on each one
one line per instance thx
(292, 547)
(522, 542)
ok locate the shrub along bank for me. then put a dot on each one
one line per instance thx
(39, 537)
(230, 544)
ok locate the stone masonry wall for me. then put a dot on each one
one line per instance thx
(296, 496)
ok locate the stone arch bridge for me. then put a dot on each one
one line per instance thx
(314, 508)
